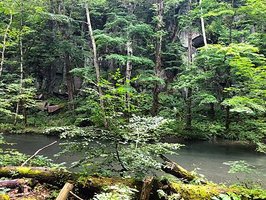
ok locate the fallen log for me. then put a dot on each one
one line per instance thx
(48, 175)
(94, 184)
(178, 171)
(13, 183)
(59, 177)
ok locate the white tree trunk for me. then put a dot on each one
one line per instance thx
(203, 25)
(95, 60)
(21, 79)
(128, 70)
(4, 43)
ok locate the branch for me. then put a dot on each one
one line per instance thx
(37, 153)
(76, 196)
(119, 159)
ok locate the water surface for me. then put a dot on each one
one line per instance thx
(207, 157)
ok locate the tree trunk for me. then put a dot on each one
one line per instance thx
(203, 25)
(227, 118)
(69, 82)
(212, 111)
(95, 61)
(155, 103)
(176, 170)
(189, 109)
(189, 90)
(21, 69)
(146, 188)
(128, 72)
(25, 116)
(158, 56)
(4, 43)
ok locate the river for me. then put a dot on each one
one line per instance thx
(207, 157)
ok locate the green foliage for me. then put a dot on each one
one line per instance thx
(207, 129)
(116, 192)
(133, 148)
(162, 194)
(134, 59)
(228, 73)
(245, 105)
(239, 167)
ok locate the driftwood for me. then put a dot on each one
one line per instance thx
(146, 188)
(65, 191)
(176, 170)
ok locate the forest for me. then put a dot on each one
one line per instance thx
(124, 83)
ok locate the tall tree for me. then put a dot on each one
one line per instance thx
(189, 64)
(158, 55)
(10, 11)
(95, 61)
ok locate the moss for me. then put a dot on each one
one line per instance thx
(4, 197)
(105, 181)
(188, 191)
(204, 192)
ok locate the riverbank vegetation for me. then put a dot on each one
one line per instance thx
(199, 64)
(127, 74)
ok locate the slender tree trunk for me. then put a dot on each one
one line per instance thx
(129, 63)
(203, 25)
(130, 10)
(158, 57)
(4, 43)
(128, 72)
(189, 90)
(69, 81)
(68, 78)
(212, 111)
(20, 102)
(227, 118)
(228, 72)
(189, 109)
(95, 61)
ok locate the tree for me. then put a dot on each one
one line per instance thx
(10, 11)
(159, 10)
(95, 60)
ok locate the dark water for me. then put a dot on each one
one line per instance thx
(207, 157)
